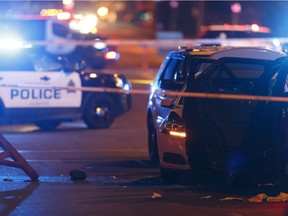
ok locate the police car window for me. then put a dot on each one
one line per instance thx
(174, 70)
(163, 67)
(60, 30)
(200, 66)
(44, 63)
(236, 77)
(16, 63)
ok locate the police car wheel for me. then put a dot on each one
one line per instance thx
(99, 112)
(48, 125)
(152, 142)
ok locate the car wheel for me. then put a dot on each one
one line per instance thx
(48, 125)
(169, 176)
(99, 112)
(152, 142)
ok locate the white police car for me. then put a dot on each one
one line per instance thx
(204, 134)
(30, 91)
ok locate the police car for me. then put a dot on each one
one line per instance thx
(56, 37)
(242, 139)
(33, 89)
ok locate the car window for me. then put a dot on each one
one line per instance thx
(235, 77)
(45, 63)
(200, 66)
(60, 30)
(163, 67)
(174, 71)
(16, 63)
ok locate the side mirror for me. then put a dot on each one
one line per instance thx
(79, 66)
(170, 85)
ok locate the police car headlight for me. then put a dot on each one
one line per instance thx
(127, 86)
(100, 45)
(174, 126)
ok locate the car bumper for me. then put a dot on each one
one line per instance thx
(172, 152)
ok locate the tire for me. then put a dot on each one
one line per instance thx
(152, 142)
(104, 117)
(48, 125)
(169, 176)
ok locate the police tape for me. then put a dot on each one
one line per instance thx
(166, 43)
(160, 93)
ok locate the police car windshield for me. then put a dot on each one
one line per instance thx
(16, 63)
(29, 62)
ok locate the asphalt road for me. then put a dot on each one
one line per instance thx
(120, 178)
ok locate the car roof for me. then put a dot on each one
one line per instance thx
(217, 52)
(249, 52)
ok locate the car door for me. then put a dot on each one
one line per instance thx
(36, 82)
(218, 126)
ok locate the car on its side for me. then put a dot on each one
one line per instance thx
(37, 87)
(222, 135)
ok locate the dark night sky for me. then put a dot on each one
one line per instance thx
(188, 16)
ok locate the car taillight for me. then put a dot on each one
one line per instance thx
(111, 55)
(173, 125)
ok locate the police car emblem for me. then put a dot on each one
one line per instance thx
(71, 84)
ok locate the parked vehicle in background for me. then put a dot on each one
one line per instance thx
(37, 87)
(245, 140)
(56, 38)
(234, 31)
(239, 35)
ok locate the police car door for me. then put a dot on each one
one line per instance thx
(26, 84)
(220, 124)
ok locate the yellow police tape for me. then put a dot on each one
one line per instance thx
(163, 93)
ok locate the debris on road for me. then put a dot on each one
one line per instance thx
(258, 198)
(206, 197)
(156, 196)
(232, 198)
(281, 197)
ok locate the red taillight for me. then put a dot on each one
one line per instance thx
(111, 55)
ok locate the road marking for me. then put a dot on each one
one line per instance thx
(140, 81)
